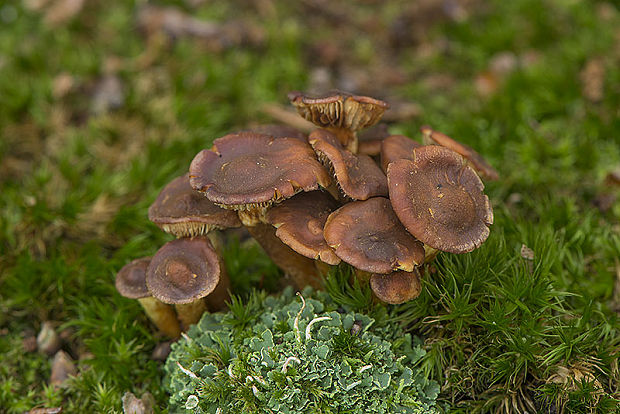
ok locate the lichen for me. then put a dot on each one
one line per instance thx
(297, 355)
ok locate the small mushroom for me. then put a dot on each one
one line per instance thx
(369, 141)
(440, 199)
(476, 160)
(183, 272)
(368, 235)
(131, 283)
(299, 222)
(184, 212)
(396, 147)
(341, 113)
(357, 175)
(249, 172)
(396, 287)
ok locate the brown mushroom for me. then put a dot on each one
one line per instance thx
(299, 222)
(476, 160)
(341, 113)
(131, 283)
(368, 235)
(182, 272)
(250, 172)
(357, 175)
(396, 287)
(369, 141)
(397, 147)
(183, 212)
(440, 199)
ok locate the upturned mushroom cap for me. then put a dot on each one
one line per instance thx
(477, 161)
(396, 287)
(368, 235)
(339, 109)
(439, 199)
(183, 270)
(280, 131)
(357, 175)
(182, 211)
(369, 141)
(300, 221)
(397, 147)
(248, 171)
(131, 279)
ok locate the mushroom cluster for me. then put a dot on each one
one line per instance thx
(382, 203)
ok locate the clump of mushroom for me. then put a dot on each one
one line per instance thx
(312, 201)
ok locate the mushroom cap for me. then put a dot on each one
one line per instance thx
(256, 170)
(183, 270)
(369, 141)
(184, 212)
(280, 131)
(339, 109)
(396, 287)
(358, 176)
(477, 161)
(439, 199)
(131, 279)
(300, 221)
(397, 147)
(368, 235)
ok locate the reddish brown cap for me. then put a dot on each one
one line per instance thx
(397, 147)
(280, 131)
(183, 270)
(131, 279)
(339, 109)
(369, 141)
(368, 235)
(300, 221)
(182, 211)
(249, 170)
(358, 176)
(396, 287)
(478, 163)
(439, 199)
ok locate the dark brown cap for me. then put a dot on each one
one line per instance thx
(369, 141)
(250, 170)
(357, 175)
(183, 270)
(368, 235)
(184, 212)
(397, 147)
(131, 279)
(280, 131)
(477, 162)
(439, 199)
(339, 109)
(396, 287)
(300, 221)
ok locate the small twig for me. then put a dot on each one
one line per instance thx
(296, 323)
(287, 117)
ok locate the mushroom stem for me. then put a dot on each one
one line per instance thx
(216, 300)
(347, 138)
(190, 313)
(301, 269)
(162, 316)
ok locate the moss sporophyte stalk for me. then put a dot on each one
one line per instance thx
(296, 354)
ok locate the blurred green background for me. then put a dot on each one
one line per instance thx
(102, 103)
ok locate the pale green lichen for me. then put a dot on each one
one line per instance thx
(296, 355)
